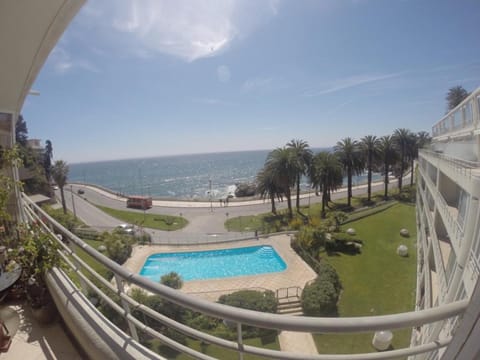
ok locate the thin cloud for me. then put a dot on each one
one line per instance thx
(211, 101)
(63, 62)
(466, 80)
(223, 73)
(340, 106)
(257, 84)
(350, 82)
(186, 29)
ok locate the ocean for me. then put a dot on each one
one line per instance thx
(177, 177)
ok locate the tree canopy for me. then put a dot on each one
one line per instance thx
(21, 131)
(60, 174)
(455, 96)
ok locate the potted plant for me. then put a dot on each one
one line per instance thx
(30, 246)
(36, 253)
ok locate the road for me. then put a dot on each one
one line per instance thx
(203, 218)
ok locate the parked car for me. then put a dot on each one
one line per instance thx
(128, 229)
(81, 191)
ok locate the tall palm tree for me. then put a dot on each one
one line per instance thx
(60, 174)
(267, 186)
(388, 156)
(348, 153)
(401, 140)
(412, 153)
(281, 162)
(370, 148)
(302, 160)
(47, 160)
(326, 175)
(424, 139)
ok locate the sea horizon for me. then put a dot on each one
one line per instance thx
(184, 177)
(184, 154)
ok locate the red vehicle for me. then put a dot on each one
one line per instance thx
(139, 202)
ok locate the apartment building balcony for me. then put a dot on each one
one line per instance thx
(465, 173)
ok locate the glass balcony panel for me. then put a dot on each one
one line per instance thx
(468, 113)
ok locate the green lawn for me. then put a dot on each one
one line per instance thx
(377, 281)
(245, 223)
(255, 222)
(153, 221)
(221, 353)
(99, 268)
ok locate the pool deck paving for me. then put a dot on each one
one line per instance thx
(297, 342)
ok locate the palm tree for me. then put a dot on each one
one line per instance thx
(326, 175)
(267, 186)
(281, 163)
(60, 174)
(47, 160)
(424, 139)
(455, 96)
(302, 159)
(388, 156)
(401, 140)
(349, 155)
(412, 153)
(369, 145)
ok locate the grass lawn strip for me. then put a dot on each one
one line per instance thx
(152, 221)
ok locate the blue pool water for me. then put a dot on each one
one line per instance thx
(214, 264)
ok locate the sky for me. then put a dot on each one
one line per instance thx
(150, 78)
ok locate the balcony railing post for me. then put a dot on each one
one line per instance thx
(126, 307)
(240, 341)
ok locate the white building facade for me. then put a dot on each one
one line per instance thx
(448, 190)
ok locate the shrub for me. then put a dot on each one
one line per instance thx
(118, 246)
(143, 238)
(204, 322)
(320, 298)
(296, 224)
(408, 194)
(172, 279)
(327, 272)
(310, 239)
(337, 218)
(251, 300)
(67, 220)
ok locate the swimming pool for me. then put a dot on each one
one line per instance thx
(213, 264)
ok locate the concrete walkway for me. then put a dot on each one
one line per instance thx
(297, 342)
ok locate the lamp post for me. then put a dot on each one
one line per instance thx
(210, 192)
(73, 202)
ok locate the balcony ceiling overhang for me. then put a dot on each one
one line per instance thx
(29, 30)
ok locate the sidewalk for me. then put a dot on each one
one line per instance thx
(297, 342)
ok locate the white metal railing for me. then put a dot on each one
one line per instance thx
(474, 265)
(454, 229)
(463, 117)
(460, 166)
(101, 287)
